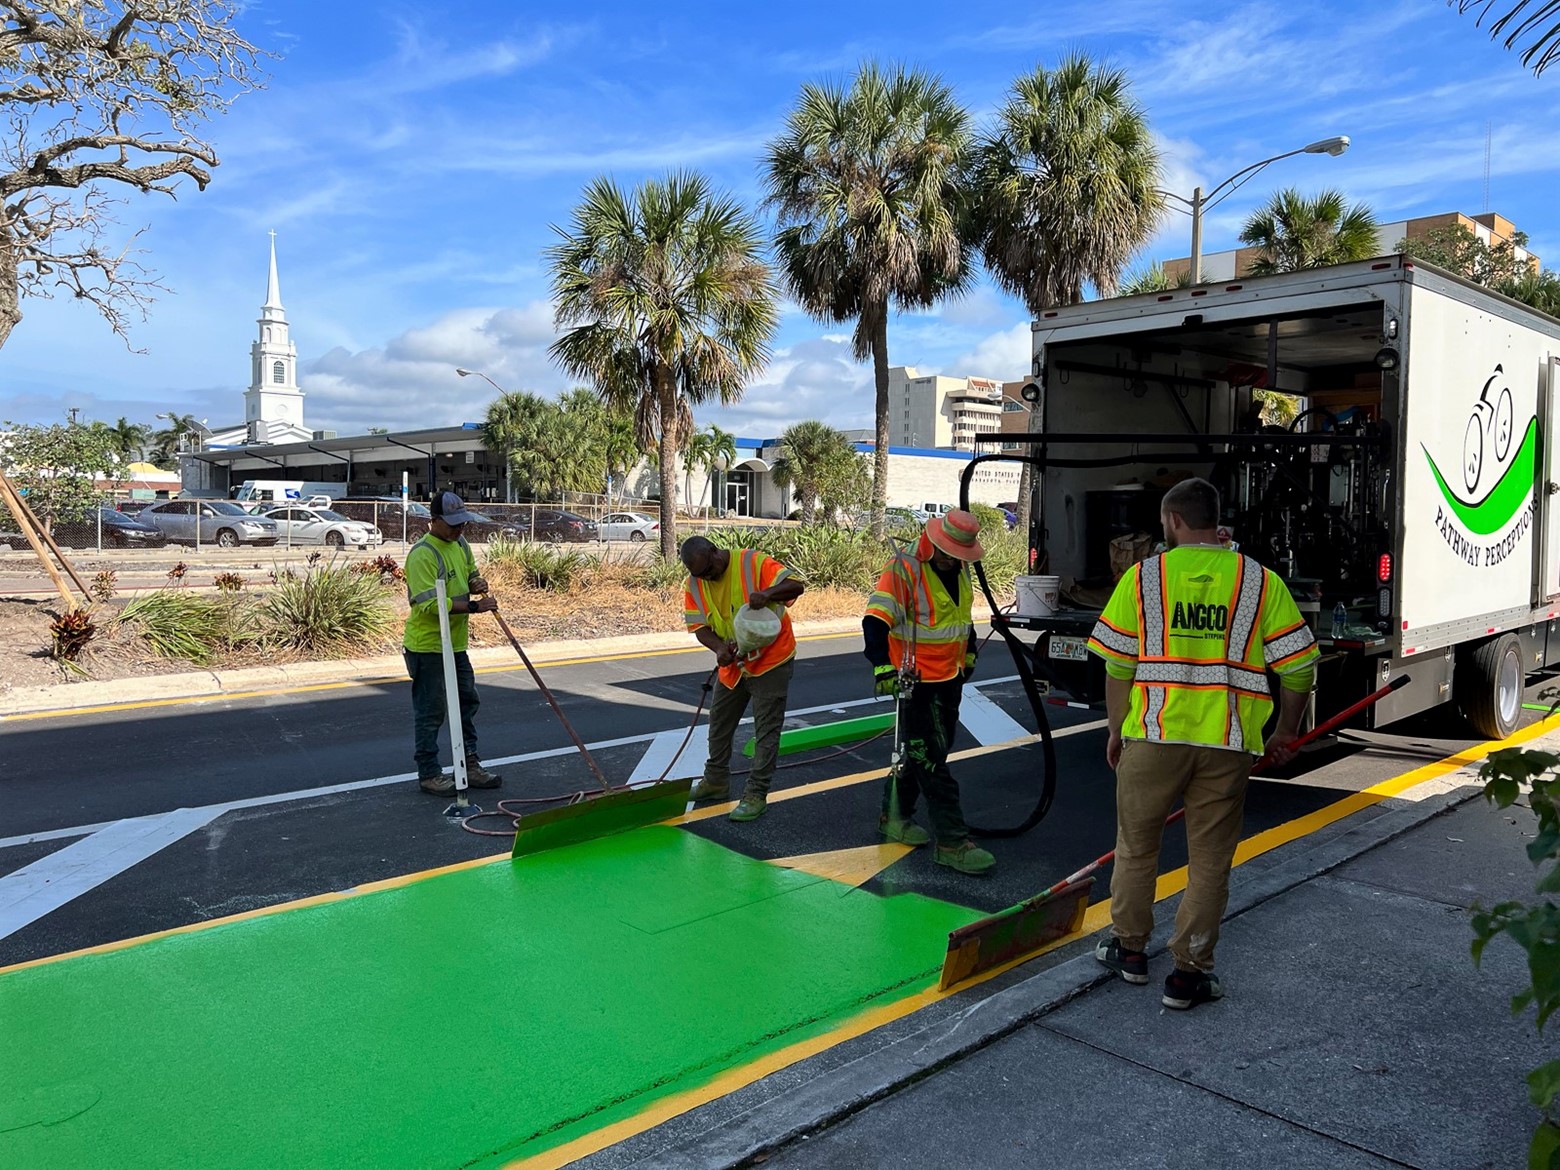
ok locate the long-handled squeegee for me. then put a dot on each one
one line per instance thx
(1058, 911)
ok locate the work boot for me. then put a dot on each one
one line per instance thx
(479, 777)
(708, 790)
(440, 785)
(750, 807)
(1184, 990)
(1130, 965)
(966, 857)
(905, 832)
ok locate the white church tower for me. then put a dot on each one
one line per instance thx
(273, 404)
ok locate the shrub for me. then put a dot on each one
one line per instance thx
(105, 583)
(539, 566)
(228, 582)
(661, 574)
(328, 610)
(72, 631)
(176, 624)
(991, 519)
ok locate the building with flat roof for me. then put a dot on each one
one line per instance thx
(1490, 228)
(938, 411)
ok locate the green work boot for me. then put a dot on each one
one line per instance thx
(750, 807)
(905, 832)
(704, 790)
(966, 857)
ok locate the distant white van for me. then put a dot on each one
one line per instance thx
(284, 491)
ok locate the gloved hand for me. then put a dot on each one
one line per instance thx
(885, 681)
(969, 667)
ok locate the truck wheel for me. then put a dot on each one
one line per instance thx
(1489, 686)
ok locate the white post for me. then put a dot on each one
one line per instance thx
(405, 482)
(452, 692)
(98, 512)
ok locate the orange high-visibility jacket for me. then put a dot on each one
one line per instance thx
(750, 570)
(913, 603)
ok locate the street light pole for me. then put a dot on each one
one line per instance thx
(1200, 203)
(509, 485)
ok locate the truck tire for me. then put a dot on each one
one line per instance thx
(1490, 678)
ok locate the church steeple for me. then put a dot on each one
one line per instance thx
(273, 396)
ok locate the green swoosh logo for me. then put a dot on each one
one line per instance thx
(1502, 501)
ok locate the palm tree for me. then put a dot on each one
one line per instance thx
(1154, 279)
(166, 443)
(808, 452)
(695, 454)
(668, 304)
(510, 417)
(867, 188)
(1293, 232)
(1537, 22)
(1068, 188)
(722, 452)
(129, 438)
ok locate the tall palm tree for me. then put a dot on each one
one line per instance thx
(866, 184)
(667, 302)
(808, 452)
(1067, 184)
(509, 418)
(130, 438)
(1294, 232)
(1535, 23)
(695, 454)
(722, 453)
(1154, 279)
(166, 443)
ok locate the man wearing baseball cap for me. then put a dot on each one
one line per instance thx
(920, 639)
(443, 553)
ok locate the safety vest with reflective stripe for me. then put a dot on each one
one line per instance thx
(1201, 626)
(750, 570)
(924, 622)
(425, 564)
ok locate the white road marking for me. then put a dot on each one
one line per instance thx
(658, 758)
(50, 882)
(987, 722)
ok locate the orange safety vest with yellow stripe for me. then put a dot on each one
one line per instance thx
(923, 620)
(703, 600)
(1200, 626)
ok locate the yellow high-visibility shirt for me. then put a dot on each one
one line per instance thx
(1200, 626)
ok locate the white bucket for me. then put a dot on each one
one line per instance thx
(1038, 596)
(755, 628)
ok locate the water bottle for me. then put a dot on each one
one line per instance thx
(1340, 621)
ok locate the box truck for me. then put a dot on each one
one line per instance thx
(1409, 500)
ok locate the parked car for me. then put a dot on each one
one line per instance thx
(635, 526)
(119, 531)
(481, 530)
(219, 522)
(557, 526)
(131, 507)
(323, 526)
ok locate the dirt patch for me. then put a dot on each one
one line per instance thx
(603, 607)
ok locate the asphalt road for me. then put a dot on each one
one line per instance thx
(274, 836)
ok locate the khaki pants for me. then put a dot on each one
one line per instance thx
(768, 694)
(1211, 783)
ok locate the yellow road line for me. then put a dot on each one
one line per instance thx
(366, 680)
(1096, 918)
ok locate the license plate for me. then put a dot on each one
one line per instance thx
(1068, 649)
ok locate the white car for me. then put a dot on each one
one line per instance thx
(322, 526)
(634, 526)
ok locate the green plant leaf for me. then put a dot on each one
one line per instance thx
(1544, 1149)
(1544, 1083)
(1503, 790)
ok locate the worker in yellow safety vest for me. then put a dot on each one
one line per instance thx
(1188, 638)
(920, 639)
(721, 582)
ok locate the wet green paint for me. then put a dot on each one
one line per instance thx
(463, 1020)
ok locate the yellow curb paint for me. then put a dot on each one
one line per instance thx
(852, 867)
(363, 681)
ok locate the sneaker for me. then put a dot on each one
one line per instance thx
(1186, 989)
(704, 790)
(437, 785)
(1130, 965)
(750, 808)
(966, 857)
(905, 832)
(479, 777)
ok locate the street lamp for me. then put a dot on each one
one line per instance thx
(464, 373)
(509, 484)
(1200, 202)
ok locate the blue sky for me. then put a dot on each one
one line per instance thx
(412, 158)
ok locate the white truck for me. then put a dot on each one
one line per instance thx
(1411, 506)
(282, 491)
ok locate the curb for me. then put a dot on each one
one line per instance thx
(832, 1096)
(67, 696)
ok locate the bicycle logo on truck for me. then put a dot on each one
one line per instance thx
(1499, 485)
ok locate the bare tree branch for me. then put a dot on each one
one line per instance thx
(95, 93)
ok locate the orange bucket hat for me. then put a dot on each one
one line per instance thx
(957, 533)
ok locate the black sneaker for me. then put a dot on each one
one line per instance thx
(1184, 990)
(1130, 965)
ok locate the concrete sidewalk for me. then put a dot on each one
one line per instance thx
(1355, 1032)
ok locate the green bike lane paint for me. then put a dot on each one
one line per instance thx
(466, 1019)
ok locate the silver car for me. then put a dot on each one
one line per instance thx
(299, 525)
(219, 522)
(634, 526)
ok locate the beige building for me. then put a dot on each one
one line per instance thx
(1492, 229)
(931, 410)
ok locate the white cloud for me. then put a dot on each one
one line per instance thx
(1005, 356)
(812, 379)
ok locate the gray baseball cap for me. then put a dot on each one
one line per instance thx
(449, 507)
